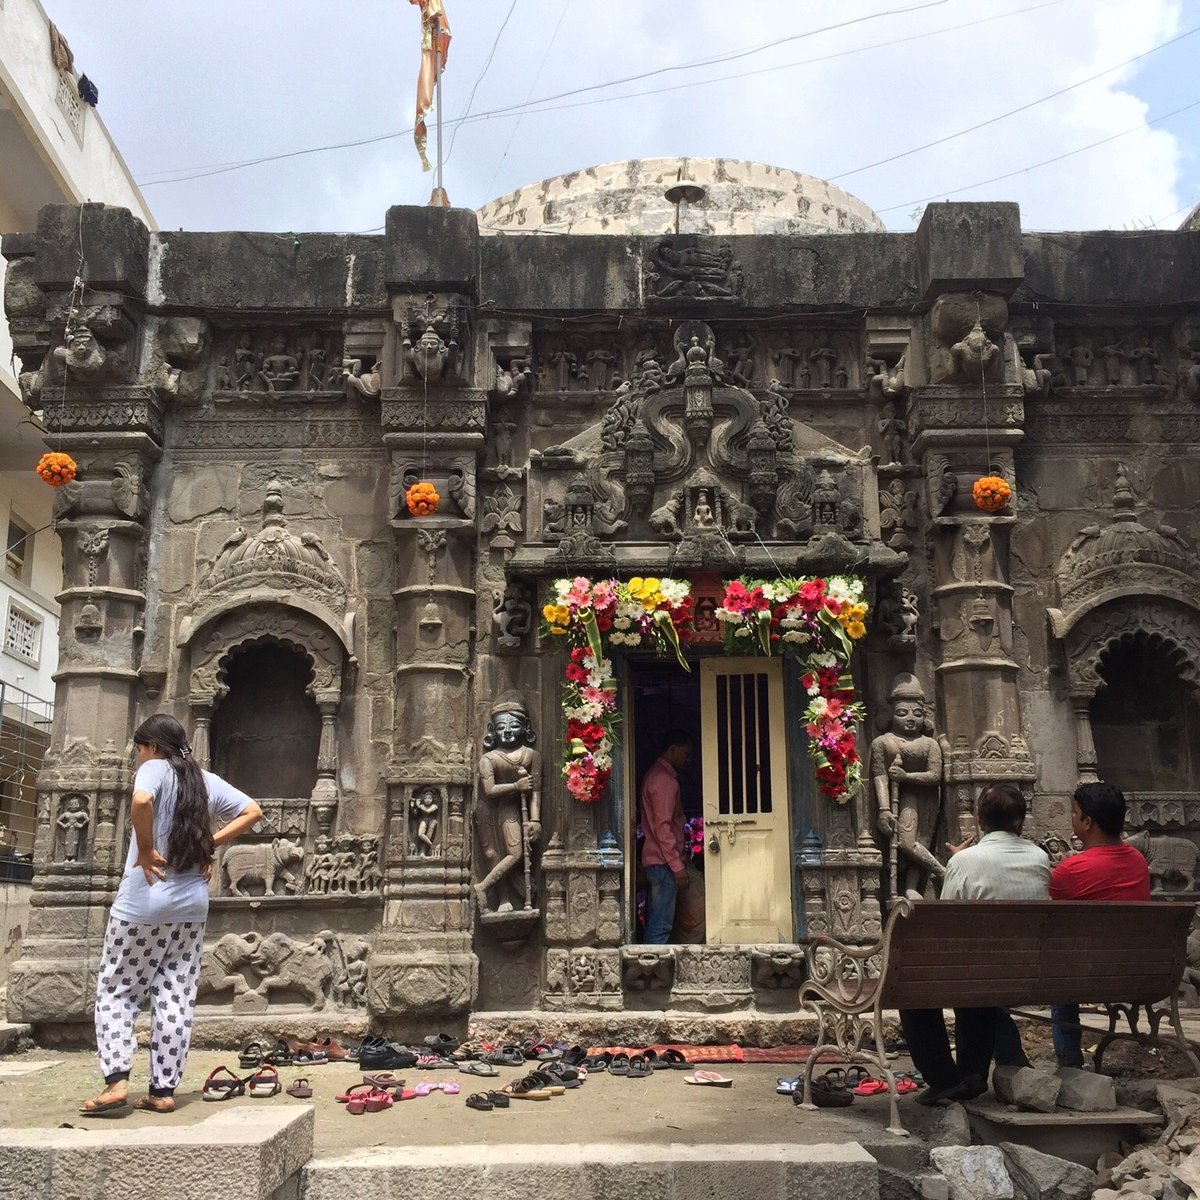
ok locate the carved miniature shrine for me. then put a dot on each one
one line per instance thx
(326, 493)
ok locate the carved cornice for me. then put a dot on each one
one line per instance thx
(115, 410)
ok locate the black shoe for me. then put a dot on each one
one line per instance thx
(965, 1089)
(1075, 1061)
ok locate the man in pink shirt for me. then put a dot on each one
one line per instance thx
(664, 851)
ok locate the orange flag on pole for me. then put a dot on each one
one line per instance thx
(435, 47)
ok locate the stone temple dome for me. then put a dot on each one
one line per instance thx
(647, 196)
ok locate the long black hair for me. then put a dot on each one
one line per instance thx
(190, 841)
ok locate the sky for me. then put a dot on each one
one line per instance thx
(187, 86)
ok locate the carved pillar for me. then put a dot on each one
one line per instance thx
(966, 414)
(112, 425)
(201, 725)
(433, 423)
(325, 790)
(1085, 746)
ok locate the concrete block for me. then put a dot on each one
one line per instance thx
(1045, 1176)
(963, 247)
(1028, 1089)
(973, 1172)
(154, 1161)
(1085, 1091)
(432, 249)
(598, 1172)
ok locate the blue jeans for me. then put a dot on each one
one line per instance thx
(1068, 1041)
(660, 905)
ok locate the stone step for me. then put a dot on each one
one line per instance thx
(601, 1171)
(1078, 1136)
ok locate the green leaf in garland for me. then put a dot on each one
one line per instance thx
(667, 628)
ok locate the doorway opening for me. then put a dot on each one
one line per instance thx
(734, 795)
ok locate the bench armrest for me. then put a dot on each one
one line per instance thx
(849, 978)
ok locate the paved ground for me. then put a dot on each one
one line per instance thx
(659, 1110)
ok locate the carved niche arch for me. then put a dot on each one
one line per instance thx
(217, 643)
(1173, 628)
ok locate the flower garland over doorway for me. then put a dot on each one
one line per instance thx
(817, 619)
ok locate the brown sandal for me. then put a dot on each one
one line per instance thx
(300, 1088)
(99, 1108)
(152, 1104)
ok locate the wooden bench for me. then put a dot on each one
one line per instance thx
(1007, 954)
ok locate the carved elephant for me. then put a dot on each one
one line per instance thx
(223, 960)
(287, 964)
(265, 863)
(1172, 861)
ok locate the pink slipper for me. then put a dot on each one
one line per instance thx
(708, 1079)
(423, 1089)
(449, 1087)
(871, 1087)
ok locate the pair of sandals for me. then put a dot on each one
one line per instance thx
(378, 1054)
(487, 1101)
(630, 1066)
(504, 1056)
(223, 1084)
(283, 1055)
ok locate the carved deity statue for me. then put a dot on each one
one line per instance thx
(423, 818)
(906, 778)
(509, 814)
(279, 370)
(512, 617)
(703, 517)
(73, 821)
(823, 358)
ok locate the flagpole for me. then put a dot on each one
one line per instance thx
(437, 84)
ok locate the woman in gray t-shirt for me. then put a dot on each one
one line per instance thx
(154, 945)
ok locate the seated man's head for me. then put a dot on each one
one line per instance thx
(677, 748)
(1001, 808)
(1097, 813)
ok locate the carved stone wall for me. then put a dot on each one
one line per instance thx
(247, 427)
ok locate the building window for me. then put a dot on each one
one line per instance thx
(18, 550)
(69, 103)
(22, 634)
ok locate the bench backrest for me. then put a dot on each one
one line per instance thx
(974, 954)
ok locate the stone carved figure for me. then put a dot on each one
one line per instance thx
(1172, 861)
(665, 519)
(692, 271)
(1113, 356)
(288, 964)
(893, 430)
(906, 778)
(554, 518)
(786, 360)
(1145, 364)
(223, 962)
(423, 820)
(1080, 359)
(823, 359)
(280, 370)
(73, 821)
(82, 356)
(1187, 378)
(245, 364)
(742, 360)
(360, 383)
(266, 863)
(974, 355)
(369, 879)
(600, 369)
(509, 813)
(702, 516)
(512, 617)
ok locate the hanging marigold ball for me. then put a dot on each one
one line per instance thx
(991, 493)
(56, 468)
(422, 499)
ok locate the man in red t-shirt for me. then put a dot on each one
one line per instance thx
(1106, 869)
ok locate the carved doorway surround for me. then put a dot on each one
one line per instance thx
(321, 644)
(1173, 628)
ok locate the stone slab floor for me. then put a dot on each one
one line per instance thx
(662, 1110)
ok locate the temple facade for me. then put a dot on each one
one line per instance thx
(736, 374)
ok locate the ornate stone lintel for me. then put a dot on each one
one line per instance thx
(648, 968)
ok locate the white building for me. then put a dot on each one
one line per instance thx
(54, 149)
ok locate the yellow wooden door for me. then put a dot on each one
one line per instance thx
(747, 857)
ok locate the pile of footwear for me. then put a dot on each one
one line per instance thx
(837, 1087)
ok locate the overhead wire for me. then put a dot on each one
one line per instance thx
(202, 172)
(541, 67)
(1044, 163)
(491, 55)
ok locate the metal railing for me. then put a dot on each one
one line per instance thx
(25, 722)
